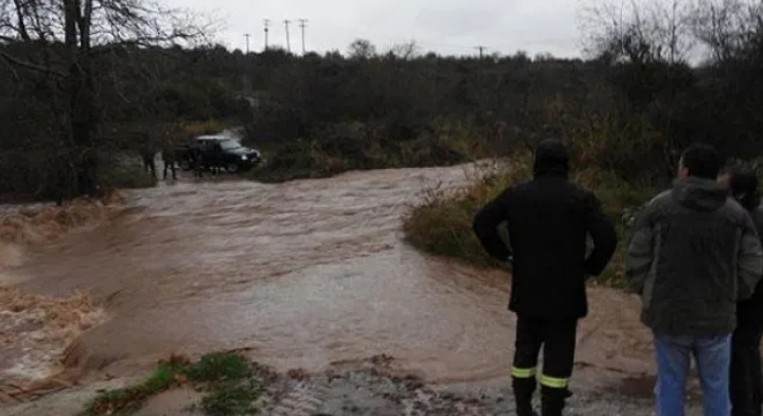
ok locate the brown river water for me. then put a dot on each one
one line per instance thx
(305, 274)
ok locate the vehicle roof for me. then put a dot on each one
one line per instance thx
(215, 138)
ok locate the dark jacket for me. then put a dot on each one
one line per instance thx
(751, 310)
(694, 253)
(549, 220)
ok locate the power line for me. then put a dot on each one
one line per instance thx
(303, 25)
(288, 40)
(267, 31)
(482, 50)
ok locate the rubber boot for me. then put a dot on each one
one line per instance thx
(553, 401)
(523, 395)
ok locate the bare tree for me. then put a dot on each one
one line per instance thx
(726, 27)
(639, 31)
(405, 51)
(61, 41)
(362, 49)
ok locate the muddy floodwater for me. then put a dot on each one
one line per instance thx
(303, 275)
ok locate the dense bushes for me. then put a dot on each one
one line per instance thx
(355, 145)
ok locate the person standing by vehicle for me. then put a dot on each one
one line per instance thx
(745, 342)
(169, 160)
(549, 219)
(694, 253)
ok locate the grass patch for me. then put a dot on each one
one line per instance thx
(442, 223)
(221, 367)
(126, 401)
(231, 384)
(232, 400)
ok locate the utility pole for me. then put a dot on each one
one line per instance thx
(247, 36)
(303, 25)
(482, 50)
(267, 31)
(288, 40)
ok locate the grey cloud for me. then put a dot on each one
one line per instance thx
(456, 21)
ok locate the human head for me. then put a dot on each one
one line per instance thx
(744, 188)
(551, 155)
(701, 161)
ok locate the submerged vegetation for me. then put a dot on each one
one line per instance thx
(230, 383)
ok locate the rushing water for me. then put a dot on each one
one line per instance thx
(302, 274)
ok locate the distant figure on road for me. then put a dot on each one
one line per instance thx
(197, 161)
(694, 253)
(746, 374)
(549, 220)
(169, 159)
(149, 162)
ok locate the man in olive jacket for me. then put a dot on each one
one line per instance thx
(548, 219)
(694, 253)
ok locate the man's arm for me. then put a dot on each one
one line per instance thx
(604, 237)
(486, 224)
(640, 257)
(750, 260)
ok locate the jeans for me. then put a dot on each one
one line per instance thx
(713, 358)
(745, 369)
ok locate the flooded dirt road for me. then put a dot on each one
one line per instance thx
(302, 274)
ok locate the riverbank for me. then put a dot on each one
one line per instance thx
(373, 389)
(353, 148)
(442, 223)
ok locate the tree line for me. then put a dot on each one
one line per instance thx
(97, 79)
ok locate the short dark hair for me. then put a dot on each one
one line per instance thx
(702, 161)
(551, 154)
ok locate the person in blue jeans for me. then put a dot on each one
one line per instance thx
(693, 255)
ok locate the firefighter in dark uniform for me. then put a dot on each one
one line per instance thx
(549, 220)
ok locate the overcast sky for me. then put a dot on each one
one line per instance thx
(444, 26)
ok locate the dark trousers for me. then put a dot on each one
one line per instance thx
(746, 370)
(557, 338)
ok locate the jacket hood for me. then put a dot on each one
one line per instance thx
(551, 157)
(700, 194)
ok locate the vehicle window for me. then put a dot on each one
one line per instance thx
(229, 144)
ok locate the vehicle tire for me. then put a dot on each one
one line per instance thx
(231, 168)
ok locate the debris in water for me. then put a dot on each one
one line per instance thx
(35, 331)
(25, 225)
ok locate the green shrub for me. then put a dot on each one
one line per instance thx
(232, 400)
(442, 223)
(218, 367)
(232, 385)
